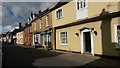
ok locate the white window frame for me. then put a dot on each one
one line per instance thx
(66, 41)
(117, 46)
(40, 22)
(47, 20)
(86, 4)
(56, 13)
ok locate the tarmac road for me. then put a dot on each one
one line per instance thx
(18, 56)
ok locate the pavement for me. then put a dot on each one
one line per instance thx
(19, 56)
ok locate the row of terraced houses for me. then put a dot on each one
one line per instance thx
(78, 26)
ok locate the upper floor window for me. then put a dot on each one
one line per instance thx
(81, 4)
(40, 23)
(35, 25)
(63, 37)
(59, 14)
(30, 29)
(47, 20)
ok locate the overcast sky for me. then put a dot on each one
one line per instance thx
(11, 13)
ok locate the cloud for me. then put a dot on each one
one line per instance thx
(31, 0)
(6, 28)
(15, 12)
(1, 11)
(0, 29)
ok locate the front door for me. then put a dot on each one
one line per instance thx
(47, 39)
(36, 39)
(87, 41)
(41, 40)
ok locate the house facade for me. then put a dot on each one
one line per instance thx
(42, 30)
(8, 37)
(86, 29)
(27, 35)
(20, 36)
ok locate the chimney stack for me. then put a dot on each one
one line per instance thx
(20, 25)
(31, 15)
(39, 11)
(26, 24)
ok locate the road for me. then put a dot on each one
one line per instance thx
(18, 56)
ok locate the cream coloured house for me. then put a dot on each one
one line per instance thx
(88, 27)
(20, 37)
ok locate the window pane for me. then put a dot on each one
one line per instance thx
(40, 23)
(84, 3)
(66, 37)
(56, 14)
(118, 34)
(63, 36)
(47, 20)
(81, 4)
(78, 5)
(35, 25)
(60, 12)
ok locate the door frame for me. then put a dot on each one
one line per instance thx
(82, 41)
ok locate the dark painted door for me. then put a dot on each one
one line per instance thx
(87, 39)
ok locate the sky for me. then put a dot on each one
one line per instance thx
(14, 11)
(11, 13)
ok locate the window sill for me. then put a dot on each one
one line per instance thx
(63, 44)
(47, 25)
(59, 18)
(82, 9)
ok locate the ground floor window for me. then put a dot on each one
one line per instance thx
(63, 37)
(117, 36)
(36, 38)
(47, 39)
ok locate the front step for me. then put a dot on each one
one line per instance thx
(87, 53)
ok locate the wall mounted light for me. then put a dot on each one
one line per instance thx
(95, 32)
(77, 34)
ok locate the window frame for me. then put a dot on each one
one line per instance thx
(84, 4)
(47, 20)
(36, 38)
(66, 38)
(57, 14)
(40, 22)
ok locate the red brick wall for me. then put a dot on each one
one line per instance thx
(27, 36)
